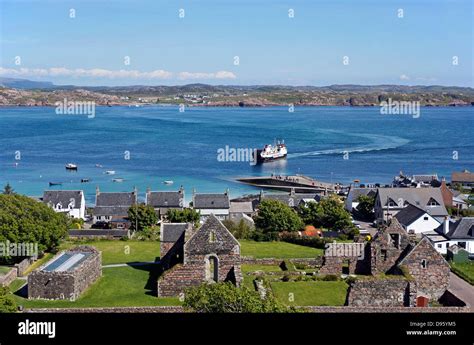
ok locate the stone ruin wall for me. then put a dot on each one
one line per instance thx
(391, 292)
(68, 284)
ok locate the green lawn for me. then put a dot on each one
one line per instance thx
(4, 269)
(117, 252)
(465, 270)
(118, 287)
(265, 268)
(279, 250)
(311, 293)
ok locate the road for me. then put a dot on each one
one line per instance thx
(462, 289)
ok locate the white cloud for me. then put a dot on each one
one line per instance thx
(198, 75)
(404, 77)
(110, 74)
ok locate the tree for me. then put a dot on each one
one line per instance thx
(24, 220)
(187, 215)
(274, 216)
(8, 190)
(328, 213)
(142, 215)
(241, 230)
(226, 298)
(366, 206)
(7, 302)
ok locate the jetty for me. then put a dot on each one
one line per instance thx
(298, 183)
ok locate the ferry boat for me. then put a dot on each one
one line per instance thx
(71, 166)
(272, 152)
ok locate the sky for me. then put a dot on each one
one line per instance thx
(246, 42)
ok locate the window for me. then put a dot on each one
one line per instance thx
(212, 237)
(425, 218)
(440, 245)
(424, 263)
(384, 254)
(395, 240)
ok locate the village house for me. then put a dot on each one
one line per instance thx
(353, 195)
(163, 201)
(212, 203)
(291, 199)
(415, 220)
(460, 232)
(113, 208)
(242, 210)
(70, 202)
(191, 257)
(465, 178)
(390, 201)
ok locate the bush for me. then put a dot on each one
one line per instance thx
(226, 298)
(330, 278)
(285, 278)
(274, 217)
(240, 230)
(7, 302)
(314, 242)
(151, 233)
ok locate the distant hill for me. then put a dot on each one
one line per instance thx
(27, 92)
(25, 83)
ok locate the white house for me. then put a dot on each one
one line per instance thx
(212, 203)
(353, 195)
(390, 201)
(416, 220)
(71, 202)
(460, 233)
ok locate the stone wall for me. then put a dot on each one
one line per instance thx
(393, 292)
(65, 284)
(174, 281)
(156, 309)
(429, 270)
(23, 265)
(8, 277)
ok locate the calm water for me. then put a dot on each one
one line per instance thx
(165, 144)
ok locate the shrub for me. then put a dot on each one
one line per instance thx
(330, 278)
(7, 302)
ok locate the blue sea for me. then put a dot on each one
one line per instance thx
(165, 144)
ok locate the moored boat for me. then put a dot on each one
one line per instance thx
(168, 182)
(110, 172)
(71, 166)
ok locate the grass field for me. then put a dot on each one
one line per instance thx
(311, 293)
(118, 287)
(279, 250)
(4, 269)
(465, 270)
(264, 268)
(118, 252)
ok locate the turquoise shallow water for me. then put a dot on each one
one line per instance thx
(165, 144)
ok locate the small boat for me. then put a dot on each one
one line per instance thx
(71, 166)
(85, 180)
(110, 172)
(99, 166)
(168, 182)
(55, 183)
(118, 179)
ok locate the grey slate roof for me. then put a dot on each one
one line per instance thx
(165, 199)
(117, 211)
(64, 197)
(415, 196)
(211, 201)
(409, 214)
(356, 192)
(241, 207)
(171, 232)
(287, 197)
(461, 229)
(116, 199)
